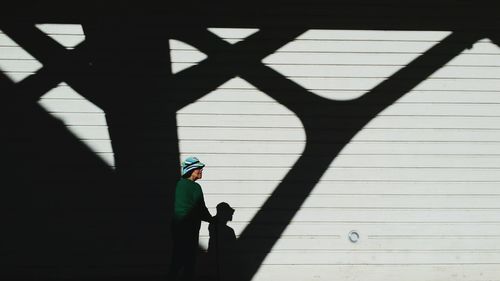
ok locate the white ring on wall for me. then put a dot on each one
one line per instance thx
(353, 236)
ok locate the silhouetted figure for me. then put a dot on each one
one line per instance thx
(189, 211)
(222, 241)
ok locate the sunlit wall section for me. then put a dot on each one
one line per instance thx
(414, 195)
(183, 55)
(83, 118)
(248, 142)
(247, 139)
(15, 62)
(345, 64)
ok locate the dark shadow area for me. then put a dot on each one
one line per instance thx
(69, 216)
(216, 264)
(185, 252)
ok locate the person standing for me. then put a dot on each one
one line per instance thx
(189, 211)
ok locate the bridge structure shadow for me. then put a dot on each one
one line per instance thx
(69, 216)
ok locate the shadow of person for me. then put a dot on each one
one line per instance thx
(221, 244)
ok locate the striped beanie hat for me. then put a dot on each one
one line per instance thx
(190, 164)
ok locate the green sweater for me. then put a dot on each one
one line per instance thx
(189, 202)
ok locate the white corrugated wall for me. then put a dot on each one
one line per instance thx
(420, 183)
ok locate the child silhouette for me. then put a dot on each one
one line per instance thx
(222, 240)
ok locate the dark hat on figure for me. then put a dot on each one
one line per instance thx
(191, 163)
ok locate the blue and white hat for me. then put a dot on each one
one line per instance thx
(191, 163)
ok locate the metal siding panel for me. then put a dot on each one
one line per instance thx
(461, 272)
(418, 182)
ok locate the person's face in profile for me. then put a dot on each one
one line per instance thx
(197, 174)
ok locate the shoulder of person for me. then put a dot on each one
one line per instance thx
(196, 184)
(191, 183)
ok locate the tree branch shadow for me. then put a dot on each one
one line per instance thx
(106, 221)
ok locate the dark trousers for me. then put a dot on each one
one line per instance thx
(185, 251)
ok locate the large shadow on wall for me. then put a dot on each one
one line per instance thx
(67, 215)
(70, 216)
(329, 125)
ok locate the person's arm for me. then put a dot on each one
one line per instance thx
(204, 213)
